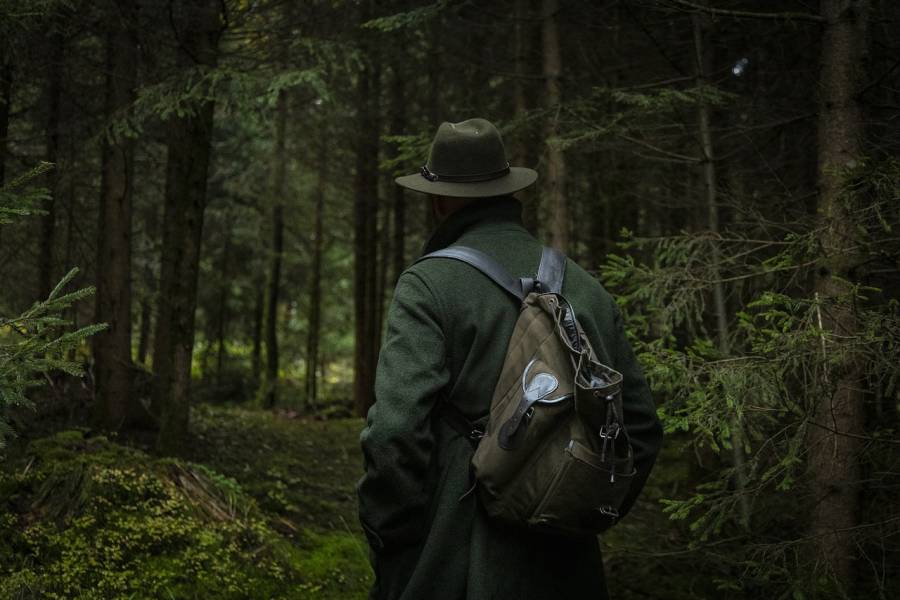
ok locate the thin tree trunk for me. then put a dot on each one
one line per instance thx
(6, 78)
(363, 380)
(373, 259)
(365, 246)
(435, 111)
(839, 416)
(46, 277)
(68, 184)
(383, 240)
(279, 192)
(398, 124)
(555, 182)
(703, 67)
(144, 331)
(112, 348)
(315, 284)
(189, 140)
(258, 310)
(522, 149)
(222, 315)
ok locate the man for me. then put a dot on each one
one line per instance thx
(447, 334)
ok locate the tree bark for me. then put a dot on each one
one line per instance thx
(383, 241)
(46, 278)
(435, 109)
(398, 124)
(144, 331)
(522, 152)
(258, 310)
(365, 246)
(703, 63)
(555, 181)
(189, 139)
(839, 415)
(279, 192)
(6, 78)
(315, 284)
(112, 348)
(222, 315)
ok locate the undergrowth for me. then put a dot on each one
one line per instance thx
(84, 517)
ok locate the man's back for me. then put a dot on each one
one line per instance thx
(447, 336)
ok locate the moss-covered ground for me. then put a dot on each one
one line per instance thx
(262, 506)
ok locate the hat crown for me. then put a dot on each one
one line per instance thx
(468, 148)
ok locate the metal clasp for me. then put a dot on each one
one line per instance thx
(609, 511)
(610, 431)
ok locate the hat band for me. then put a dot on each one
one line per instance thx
(431, 176)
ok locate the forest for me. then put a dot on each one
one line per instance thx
(200, 234)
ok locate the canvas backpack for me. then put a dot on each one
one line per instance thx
(554, 454)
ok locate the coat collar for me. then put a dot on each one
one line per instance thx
(484, 214)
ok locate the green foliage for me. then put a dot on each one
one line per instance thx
(412, 18)
(35, 342)
(622, 113)
(18, 199)
(84, 517)
(761, 393)
(409, 150)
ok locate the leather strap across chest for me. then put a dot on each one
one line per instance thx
(550, 273)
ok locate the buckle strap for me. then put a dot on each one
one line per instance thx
(552, 270)
(472, 431)
(484, 263)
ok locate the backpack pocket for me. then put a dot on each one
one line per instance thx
(586, 492)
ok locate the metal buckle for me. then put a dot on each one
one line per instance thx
(610, 432)
(609, 511)
(476, 434)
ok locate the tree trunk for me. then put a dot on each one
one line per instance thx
(398, 124)
(703, 64)
(365, 246)
(144, 331)
(555, 181)
(222, 315)
(839, 416)
(258, 309)
(373, 299)
(6, 77)
(279, 192)
(522, 149)
(435, 110)
(112, 348)
(315, 284)
(46, 278)
(383, 240)
(189, 139)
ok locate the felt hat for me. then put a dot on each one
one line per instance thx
(468, 160)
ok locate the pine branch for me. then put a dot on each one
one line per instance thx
(746, 14)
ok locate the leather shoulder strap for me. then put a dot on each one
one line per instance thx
(484, 263)
(552, 270)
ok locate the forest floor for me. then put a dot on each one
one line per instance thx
(263, 505)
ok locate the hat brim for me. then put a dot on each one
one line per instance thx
(518, 178)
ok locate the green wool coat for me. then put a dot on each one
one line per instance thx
(447, 333)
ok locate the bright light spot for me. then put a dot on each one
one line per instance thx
(738, 69)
